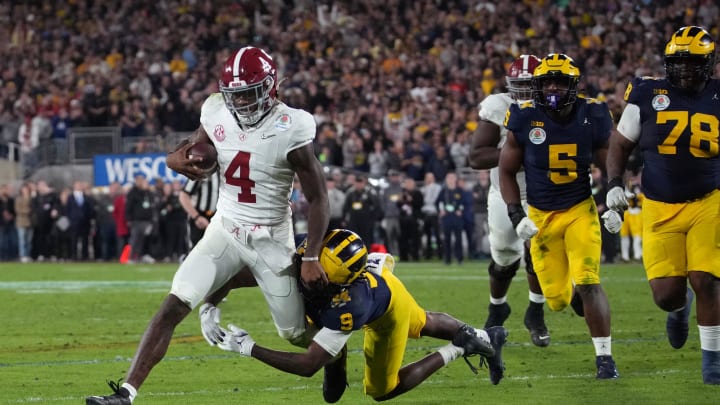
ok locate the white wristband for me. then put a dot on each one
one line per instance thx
(310, 259)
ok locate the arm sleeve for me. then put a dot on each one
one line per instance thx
(332, 341)
(629, 125)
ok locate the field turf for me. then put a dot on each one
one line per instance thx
(66, 328)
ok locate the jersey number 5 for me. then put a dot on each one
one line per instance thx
(238, 175)
(703, 133)
(563, 168)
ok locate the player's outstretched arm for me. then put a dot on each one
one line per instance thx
(303, 364)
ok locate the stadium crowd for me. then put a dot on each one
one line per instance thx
(394, 85)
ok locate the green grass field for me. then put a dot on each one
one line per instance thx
(67, 328)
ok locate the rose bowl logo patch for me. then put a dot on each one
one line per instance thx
(661, 102)
(537, 136)
(283, 122)
(219, 133)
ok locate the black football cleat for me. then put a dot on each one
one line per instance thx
(498, 336)
(497, 314)
(467, 338)
(335, 378)
(121, 396)
(535, 323)
(606, 369)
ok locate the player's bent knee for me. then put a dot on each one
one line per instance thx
(503, 272)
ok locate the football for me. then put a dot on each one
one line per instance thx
(207, 152)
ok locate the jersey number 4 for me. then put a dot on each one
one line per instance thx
(238, 175)
(703, 133)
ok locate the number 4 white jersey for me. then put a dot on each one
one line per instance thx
(256, 177)
(493, 109)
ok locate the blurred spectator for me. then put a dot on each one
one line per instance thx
(45, 211)
(140, 213)
(105, 241)
(451, 203)
(410, 204)
(175, 220)
(336, 199)
(362, 210)
(8, 233)
(23, 223)
(390, 223)
(122, 229)
(80, 211)
(62, 237)
(431, 222)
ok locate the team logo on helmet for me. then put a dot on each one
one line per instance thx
(537, 136)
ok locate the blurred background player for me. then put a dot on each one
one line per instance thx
(555, 139)
(506, 248)
(363, 293)
(674, 122)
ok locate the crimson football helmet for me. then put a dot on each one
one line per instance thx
(248, 84)
(519, 77)
(689, 58)
(555, 82)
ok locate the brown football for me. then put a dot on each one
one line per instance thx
(207, 152)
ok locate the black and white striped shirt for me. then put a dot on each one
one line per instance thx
(204, 194)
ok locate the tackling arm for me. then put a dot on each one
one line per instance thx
(302, 364)
(484, 153)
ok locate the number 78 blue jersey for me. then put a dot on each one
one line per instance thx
(557, 156)
(678, 139)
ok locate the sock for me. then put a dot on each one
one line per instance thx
(710, 338)
(536, 298)
(498, 301)
(450, 352)
(603, 346)
(676, 313)
(131, 390)
(711, 365)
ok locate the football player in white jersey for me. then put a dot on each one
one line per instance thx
(261, 145)
(506, 248)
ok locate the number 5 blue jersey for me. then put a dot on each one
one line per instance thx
(678, 139)
(557, 156)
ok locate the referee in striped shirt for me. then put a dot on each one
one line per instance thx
(199, 199)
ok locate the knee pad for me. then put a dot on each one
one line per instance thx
(503, 272)
(528, 262)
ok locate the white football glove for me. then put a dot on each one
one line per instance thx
(612, 221)
(616, 199)
(237, 340)
(526, 229)
(210, 324)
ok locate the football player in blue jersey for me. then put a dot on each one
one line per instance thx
(365, 294)
(555, 139)
(675, 121)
